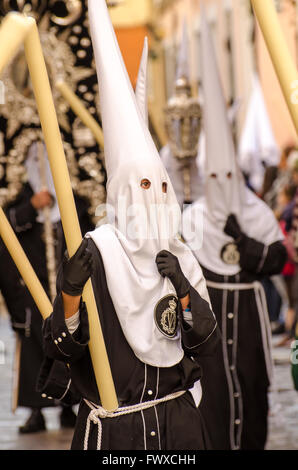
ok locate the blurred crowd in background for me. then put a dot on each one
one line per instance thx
(279, 191)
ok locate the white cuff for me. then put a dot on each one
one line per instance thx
(73, 322)
(187, 317)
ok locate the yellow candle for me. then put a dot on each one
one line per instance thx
(80, 110)
(280, 55)
(22, 263)
(69, 218)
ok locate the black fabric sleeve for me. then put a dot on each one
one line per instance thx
(22, 216)
(202, 336)
(58, 342)
(54, 381)
(16, 296)
(261, 259)
(275, 260)
(20, 212)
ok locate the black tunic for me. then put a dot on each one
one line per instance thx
(21, 305)
(175, 424)
(235, 403)
(27, 322)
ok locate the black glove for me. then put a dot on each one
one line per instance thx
(77, 270)
(168, 265)
(232, 228)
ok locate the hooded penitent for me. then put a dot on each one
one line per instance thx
(142, 210)
(257, 148)
(34, 172)
(224, 187)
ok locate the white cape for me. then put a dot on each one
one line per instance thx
(135, 290)
(257, 221)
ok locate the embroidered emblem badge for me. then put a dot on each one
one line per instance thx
(230, 254)
(165, 315)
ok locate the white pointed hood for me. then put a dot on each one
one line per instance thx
(224, 188)
(142, 84)
(223, 177)
(139, 229)
(257, 143)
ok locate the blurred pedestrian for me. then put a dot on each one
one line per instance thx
(26, 216)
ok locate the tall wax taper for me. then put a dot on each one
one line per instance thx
(282, 60)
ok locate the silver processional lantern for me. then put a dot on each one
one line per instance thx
(183, 118)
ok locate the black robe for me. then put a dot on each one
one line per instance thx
(176, 424)
(21, 305)
(235, 401)
(27, 322)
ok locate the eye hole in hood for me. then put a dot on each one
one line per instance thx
(145, 183)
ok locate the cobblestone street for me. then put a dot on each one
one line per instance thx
(283, 418)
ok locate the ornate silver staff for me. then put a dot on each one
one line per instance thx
(183, 119)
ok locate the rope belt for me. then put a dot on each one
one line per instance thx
(232, 286)
(98, 412)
